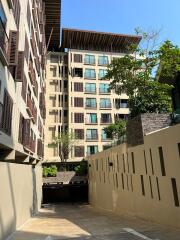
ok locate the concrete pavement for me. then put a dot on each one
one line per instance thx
(77, 222)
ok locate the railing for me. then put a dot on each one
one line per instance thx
(92, 76)
(40, 150)
(106, 121)
(89, 121)
(104, 91)
(91, 105)
(29, 106)
(32, 74)
(108, 105)
(93, 137)
(89, 90)
(89, 62)
(123, 105)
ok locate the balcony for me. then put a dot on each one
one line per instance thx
(91, 122)
(32, 74)
(104, 91)
(105, 106)
(92, 138)
(29, 143)
(90, 76)
(90, 90)
(91, 106)
(35, 88)
(34, 115)
(89, 62)
(29, 106)
(106, 121)
(40, 148)
(3, 46)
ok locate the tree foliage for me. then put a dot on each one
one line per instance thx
(81, 169)
(169, 60)
(50, 171)
(134, 74)
(116, 130)
(64, 142)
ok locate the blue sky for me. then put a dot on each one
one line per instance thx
(123, 16)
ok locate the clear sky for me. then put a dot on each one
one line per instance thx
(123, 16)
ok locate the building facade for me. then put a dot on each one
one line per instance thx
(22, 85)
(78, 96)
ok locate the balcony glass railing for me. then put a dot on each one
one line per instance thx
(106, 120)
(105, 105)
(90, 90)
(92, 137)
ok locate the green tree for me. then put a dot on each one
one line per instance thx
(65, 143)
(134, 74)
(169, 55)
(116, 130)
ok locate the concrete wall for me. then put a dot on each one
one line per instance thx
(115, 179)
(20, 195)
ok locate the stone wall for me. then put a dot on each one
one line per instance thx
(144, 124)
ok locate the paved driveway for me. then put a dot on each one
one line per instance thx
(77, 222)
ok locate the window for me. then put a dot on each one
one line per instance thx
(103, 135)
(2, 16)
(65, 113)
(102, 73)
(90, 88)
(92, 150)
(79, 133)
(91, 103)
(78, 58)
(106, 118)
(103, 60)
(124, 103)
(79, 151)
(105, 103)
(6, 121)
(78, 102)
(79, 117)
(65, 84)
(3, 36)
(90, 73)
(78, 87)
(91, 134)
(91, 118)
(104, 88)
(89, 59)
(53, 71)
(78, 72)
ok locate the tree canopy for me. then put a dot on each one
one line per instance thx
(116, 130)
(64, 142)
(135, 75)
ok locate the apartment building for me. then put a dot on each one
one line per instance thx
(22, 85)
(78, 97)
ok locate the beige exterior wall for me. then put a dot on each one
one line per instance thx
(56, 92)
(118, 188)
(53, 121)
(21, 193)
(12, 149)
